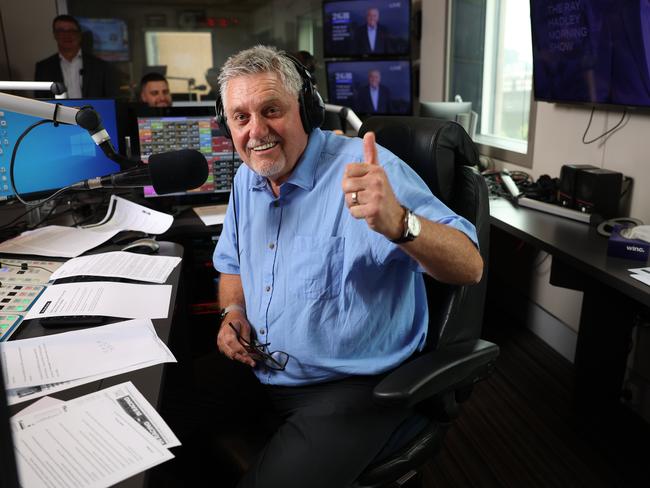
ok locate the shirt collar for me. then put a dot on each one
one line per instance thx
(76, 56)
(304, 173)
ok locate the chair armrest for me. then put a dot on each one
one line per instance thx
(445, 369)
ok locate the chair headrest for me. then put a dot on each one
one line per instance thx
(432, 147)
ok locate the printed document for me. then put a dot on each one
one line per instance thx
(109, 299)
(69, 242)
(157, 354)
(211, 214)
(120, 264)
(79, 353)
(25, 394)
(125, 395)
(93, 441)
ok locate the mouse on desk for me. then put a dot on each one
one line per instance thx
(143, 246)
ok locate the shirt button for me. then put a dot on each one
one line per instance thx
(262, 331)
(271, 246)
(268, 288)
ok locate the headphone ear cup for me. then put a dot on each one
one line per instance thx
(221, 118)
(315, 108)
(312, 108)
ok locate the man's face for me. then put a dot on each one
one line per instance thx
(372, 17)
(156, 94)
(264, 120)
(374, 78)
(67, 35)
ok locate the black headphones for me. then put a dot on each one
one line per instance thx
(312, 108)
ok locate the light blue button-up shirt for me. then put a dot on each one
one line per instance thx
(338, 297)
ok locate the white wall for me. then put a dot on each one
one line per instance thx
(558, 140)
(28, 39)
(433, 47)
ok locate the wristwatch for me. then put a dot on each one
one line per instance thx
(412, 227)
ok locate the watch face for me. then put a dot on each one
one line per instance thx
(414, 225)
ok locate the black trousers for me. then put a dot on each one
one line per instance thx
(322, 435)
(328, 434)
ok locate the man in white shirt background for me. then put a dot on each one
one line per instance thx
(84, 75)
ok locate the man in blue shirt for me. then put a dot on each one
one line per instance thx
(321, 256)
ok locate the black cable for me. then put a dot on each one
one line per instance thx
(617, 126)
(36, 203)
(13, 157)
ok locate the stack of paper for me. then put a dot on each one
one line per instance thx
(41, 365)
(68, 242)
(95, 440)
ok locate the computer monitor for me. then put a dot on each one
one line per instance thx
(349, 84)
(444, 110)
(110, 38)
(194, 127)
(460, 112)
(51, 157)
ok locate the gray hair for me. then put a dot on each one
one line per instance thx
(260, 59)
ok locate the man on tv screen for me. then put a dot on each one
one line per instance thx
(372, 37)
(373, 97)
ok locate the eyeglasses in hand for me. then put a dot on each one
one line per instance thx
(275, 360)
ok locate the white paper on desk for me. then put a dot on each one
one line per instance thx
(54, 240)
(45, 403)
(211, 214)
(68, 242)
(76, 354)
(105, 298)
(125, 215)
(642, 271)
(25, 394)
(120, 264)
(95, 444)
(643, 278)
(125, 395)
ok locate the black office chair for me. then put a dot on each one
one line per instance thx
(437, 380)
(455, 358)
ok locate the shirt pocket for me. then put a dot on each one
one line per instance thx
(317, 265)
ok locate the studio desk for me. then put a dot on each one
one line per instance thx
(148, 381)
(611, 304)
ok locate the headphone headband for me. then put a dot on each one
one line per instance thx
(311, 106)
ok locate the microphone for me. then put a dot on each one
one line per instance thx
(169, 172)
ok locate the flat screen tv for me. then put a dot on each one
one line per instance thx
(591, 51)
(371, 87)
(353, 28)
(110, 38)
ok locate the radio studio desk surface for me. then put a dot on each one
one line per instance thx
(611, 303)
(148, 381)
